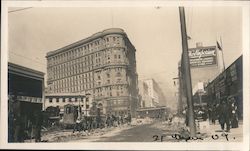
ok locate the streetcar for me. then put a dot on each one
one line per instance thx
(70, 115)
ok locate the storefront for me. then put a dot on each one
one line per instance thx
(25, 95)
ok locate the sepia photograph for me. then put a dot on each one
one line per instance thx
(168, 74)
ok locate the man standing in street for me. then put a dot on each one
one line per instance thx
(77, 125)
(38, 125)
(224, 116)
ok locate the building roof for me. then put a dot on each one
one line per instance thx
(66, 94)
(86, 40)
(151, 108)
(24, 71)
(223, 72)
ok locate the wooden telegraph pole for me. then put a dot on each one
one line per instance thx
(187, 75)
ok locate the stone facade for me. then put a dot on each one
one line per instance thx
(151, 94)
(102, 65)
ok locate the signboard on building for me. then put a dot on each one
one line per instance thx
(202, 56)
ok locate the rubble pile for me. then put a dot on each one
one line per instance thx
(68, 135)
(62, 136)
(141, 121)
(180, 131)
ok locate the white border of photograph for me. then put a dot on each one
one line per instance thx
(115, 145)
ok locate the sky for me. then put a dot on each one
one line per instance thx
(155, 33)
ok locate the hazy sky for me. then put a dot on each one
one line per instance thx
(155, 33)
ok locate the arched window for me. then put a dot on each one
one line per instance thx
(118, 74)
(108, 75)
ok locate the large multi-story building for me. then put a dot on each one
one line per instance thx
(103, 65)
(145, 99)
(151, 94)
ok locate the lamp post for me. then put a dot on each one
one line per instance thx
(87, 98)
(79, 105)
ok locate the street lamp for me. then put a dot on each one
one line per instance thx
(79, 105)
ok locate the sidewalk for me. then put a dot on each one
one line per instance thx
(214, 133)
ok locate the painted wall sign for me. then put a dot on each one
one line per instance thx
(203, 56)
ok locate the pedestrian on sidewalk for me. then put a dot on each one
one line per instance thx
(108, 121)
(213, 114)
(234, 119)
(38, 125)
(84, 124)
(129, 118)
(224, 116)
(185, 113)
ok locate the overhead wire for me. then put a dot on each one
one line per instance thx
(17, 10)
(34, 60)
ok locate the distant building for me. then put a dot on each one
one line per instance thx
(145, 99)
(204, 66)
(228, 84)
(161, 112)
(62, 99)
(25, 100)
(103, 65)
(204, 63)
(151, 93)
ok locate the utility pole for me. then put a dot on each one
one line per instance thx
(187, 75)
(179, 107)
(180, 91)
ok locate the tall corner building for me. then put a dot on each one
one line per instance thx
(103, 65)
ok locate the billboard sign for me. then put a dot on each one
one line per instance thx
(202, 56)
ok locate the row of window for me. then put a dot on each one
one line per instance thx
(82, 50)
(68, 100)
(109, 91)
(83, 81)
(73, 89)
(108, 81)
(74, 80)
(108, 72)
(117, 102)
(78, 66)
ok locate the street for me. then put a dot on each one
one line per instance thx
(140, 133)
(161, 132)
